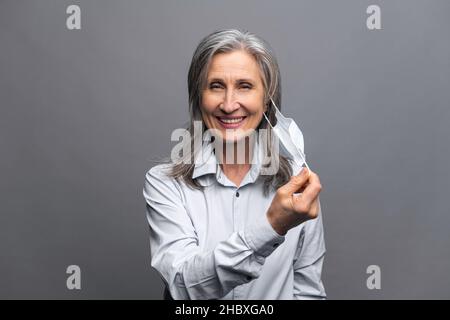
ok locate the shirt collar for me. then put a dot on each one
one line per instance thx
(206, 167)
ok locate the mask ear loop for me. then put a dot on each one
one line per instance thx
(265, 116)
(301, 153)
(276, 110)
(267, 119)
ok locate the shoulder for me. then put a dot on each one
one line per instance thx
(161, 171)
(158, 177)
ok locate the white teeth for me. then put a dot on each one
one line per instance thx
(236, 120)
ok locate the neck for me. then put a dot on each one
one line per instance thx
(236, 159)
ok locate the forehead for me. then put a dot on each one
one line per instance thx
(233, 64)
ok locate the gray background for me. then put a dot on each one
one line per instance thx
(84, 113)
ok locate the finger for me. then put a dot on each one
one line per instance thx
(296, 182)
(314, 209)
(312, 190)
(307, 183)
(302, 205)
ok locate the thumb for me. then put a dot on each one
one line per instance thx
(296, 182)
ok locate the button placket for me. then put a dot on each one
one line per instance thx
(235, 210)
(235, 228)
(238, 219)
(238, 222)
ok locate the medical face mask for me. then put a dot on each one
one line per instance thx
(290, 137)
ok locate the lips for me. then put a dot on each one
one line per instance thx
(231, 122)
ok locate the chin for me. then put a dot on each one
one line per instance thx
(235, 135)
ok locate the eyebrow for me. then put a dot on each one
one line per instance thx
(238, 80)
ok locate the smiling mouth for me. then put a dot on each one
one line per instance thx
(230, 120)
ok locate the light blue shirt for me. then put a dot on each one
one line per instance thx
(217, 243)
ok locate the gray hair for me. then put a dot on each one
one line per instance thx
(223, 41)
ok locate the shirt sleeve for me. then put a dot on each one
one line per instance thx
(188, 271)
(308, 261)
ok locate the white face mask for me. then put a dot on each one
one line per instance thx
(291, 138)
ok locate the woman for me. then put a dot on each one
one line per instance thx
(221, 229)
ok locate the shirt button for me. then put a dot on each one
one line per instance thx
(237, 194)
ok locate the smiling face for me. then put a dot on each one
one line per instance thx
(233, 98)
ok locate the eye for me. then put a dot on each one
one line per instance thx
(245, 85)
(215, 85)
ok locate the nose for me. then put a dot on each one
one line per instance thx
(229, 103)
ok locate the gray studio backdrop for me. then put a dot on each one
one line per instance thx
(84, 113)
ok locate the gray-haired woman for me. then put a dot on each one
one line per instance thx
(221, 229)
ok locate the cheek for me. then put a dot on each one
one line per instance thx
(207, 105)
(209, 101)
(255, 102)
(255, 107)
(255, 117)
